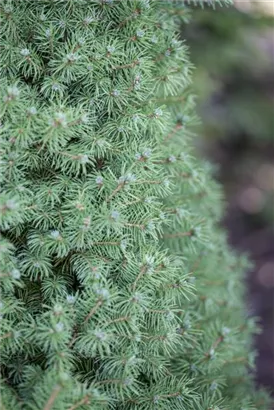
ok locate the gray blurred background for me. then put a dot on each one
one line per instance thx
(233, 51)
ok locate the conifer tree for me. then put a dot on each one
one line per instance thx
(118, 288)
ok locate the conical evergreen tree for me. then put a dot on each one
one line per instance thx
(108, 218)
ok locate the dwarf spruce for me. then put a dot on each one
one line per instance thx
(118, 289)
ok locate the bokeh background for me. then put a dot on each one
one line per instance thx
(233, 51)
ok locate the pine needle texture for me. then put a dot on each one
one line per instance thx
(118, 288)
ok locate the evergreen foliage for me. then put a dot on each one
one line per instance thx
(118, 288)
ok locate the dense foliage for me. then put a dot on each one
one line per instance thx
(118, 288)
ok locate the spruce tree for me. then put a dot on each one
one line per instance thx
(118, 288)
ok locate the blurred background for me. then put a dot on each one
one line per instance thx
(233, 51)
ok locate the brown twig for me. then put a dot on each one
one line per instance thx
(84, 400)
(173, 132)
(93, 310)
(117, 189)
(53, 397)
(178, 234)
(141, 273)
